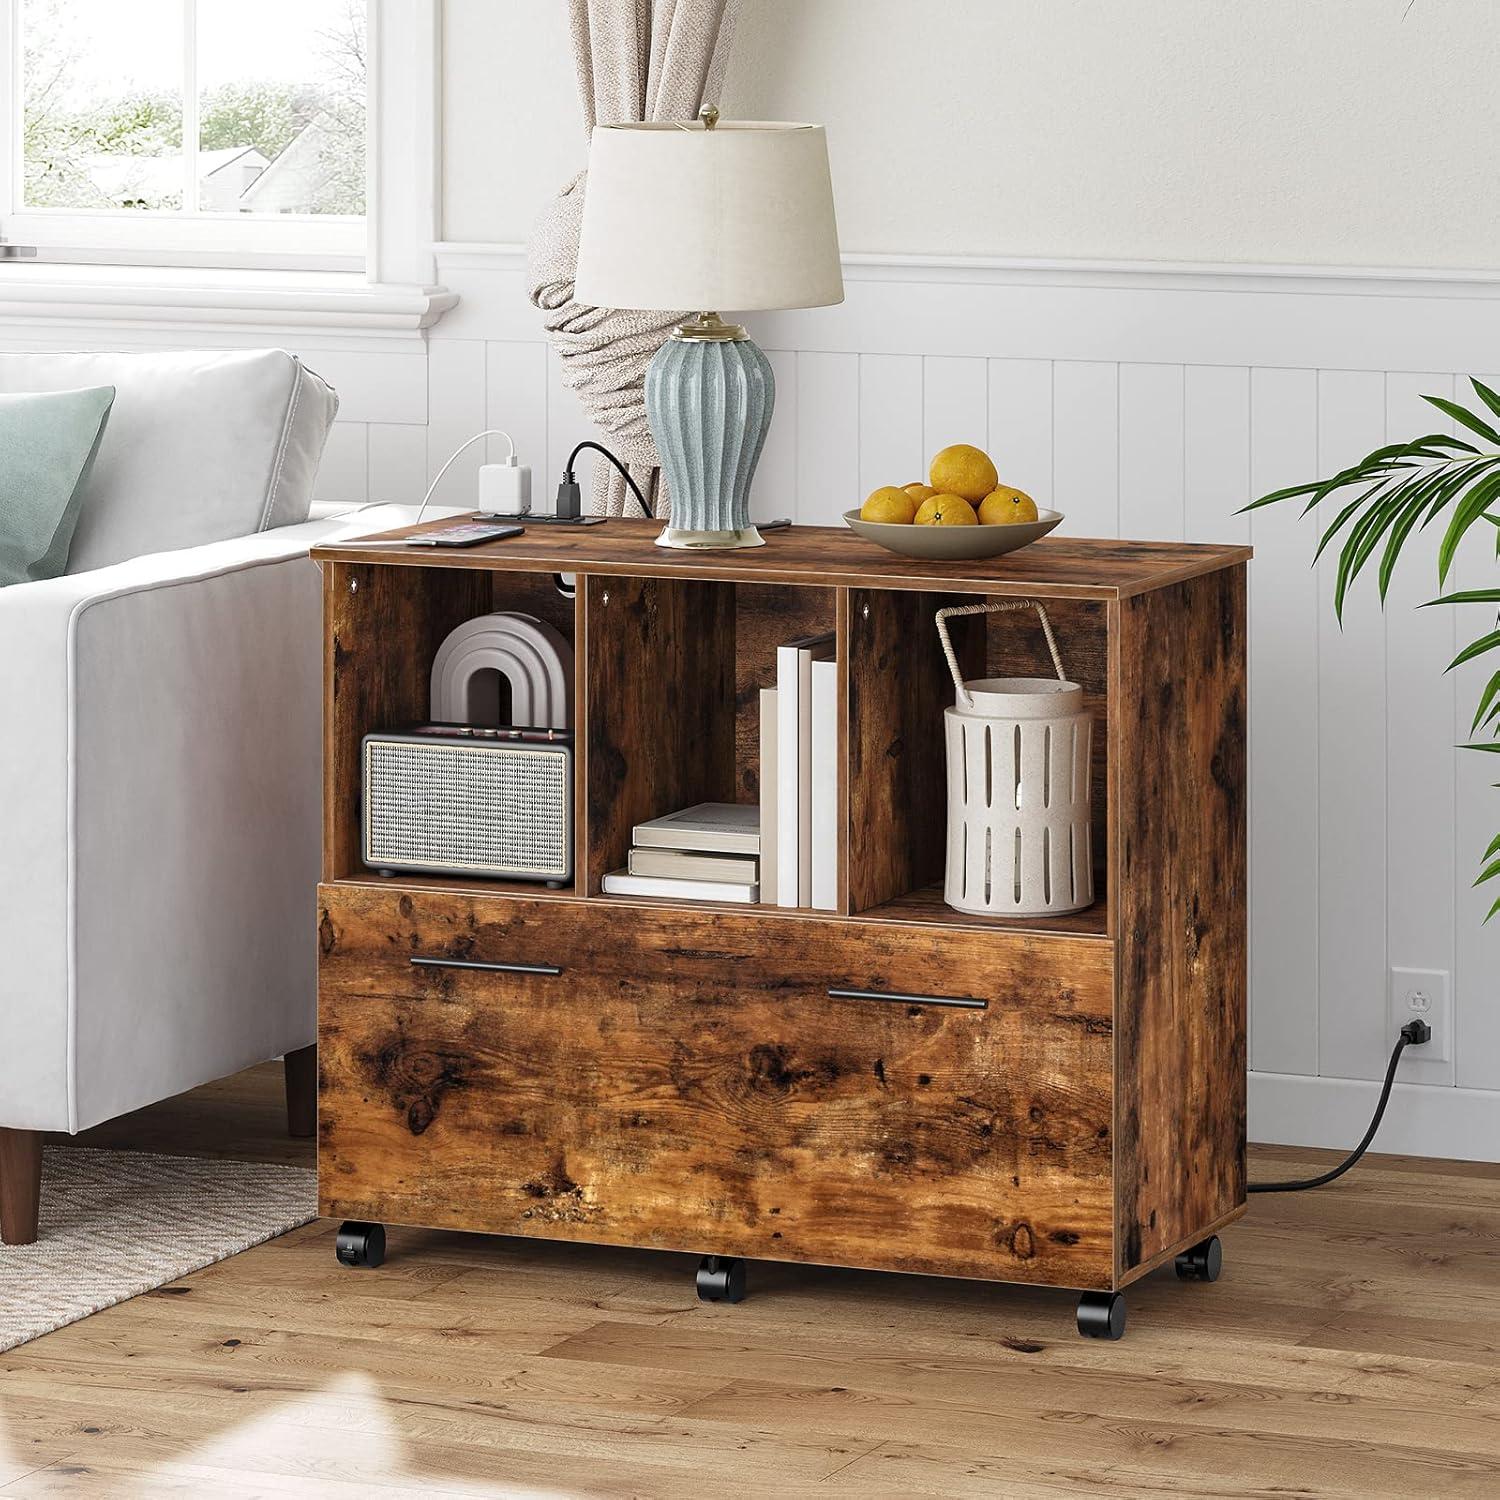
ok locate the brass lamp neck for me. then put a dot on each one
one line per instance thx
(709, 325)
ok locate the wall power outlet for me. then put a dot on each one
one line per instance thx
(1423, 995)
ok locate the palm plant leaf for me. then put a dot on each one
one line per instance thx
(1402, 488)
(1488, 710)
(1475, 503)
(1466, 596)
(1486, 395)
(1466, 418)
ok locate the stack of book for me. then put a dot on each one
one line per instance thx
(785, 852)
(711, 852)
(799, 783)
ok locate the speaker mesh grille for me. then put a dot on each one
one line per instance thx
(488, 810)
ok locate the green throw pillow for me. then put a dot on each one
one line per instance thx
(47, 445)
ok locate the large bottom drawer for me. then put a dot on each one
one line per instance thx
(783, 1088)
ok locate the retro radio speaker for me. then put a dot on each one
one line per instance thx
(467, 798)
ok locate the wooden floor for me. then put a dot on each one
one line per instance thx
(1351, 1348)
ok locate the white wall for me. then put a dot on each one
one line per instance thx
(1342, 132)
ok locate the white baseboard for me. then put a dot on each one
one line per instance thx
(1288, 1109)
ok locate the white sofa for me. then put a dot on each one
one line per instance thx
(160, 755)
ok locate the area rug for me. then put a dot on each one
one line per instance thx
(118, 1223)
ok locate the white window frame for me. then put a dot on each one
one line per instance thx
(393, 243)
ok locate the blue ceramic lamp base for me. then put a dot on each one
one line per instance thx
(710, 393)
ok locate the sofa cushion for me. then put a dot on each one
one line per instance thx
(47, 447)
(202, 445)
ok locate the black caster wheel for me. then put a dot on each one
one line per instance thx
(1203, 1262)
(1101, 1315)
(360, 1244)
(721, 1279)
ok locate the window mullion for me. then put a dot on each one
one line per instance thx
(190, 106)
(12, 127)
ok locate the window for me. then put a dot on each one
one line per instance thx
(188, 131)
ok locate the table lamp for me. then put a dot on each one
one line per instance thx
(708, 214)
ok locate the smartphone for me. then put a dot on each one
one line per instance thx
(469, 534)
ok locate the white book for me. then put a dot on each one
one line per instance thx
(710, 827)
(768, 831)
(825, 785)
(683, 864)
(794, 766)
(623, 883)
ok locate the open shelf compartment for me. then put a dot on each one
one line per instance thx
(898, 686)
(668, 675)
(383, 628)
(672, 671)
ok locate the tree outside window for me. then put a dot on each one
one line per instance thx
(281, 91)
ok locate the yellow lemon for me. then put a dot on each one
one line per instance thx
(919, 491)
(888, 504)
(963, 470)
(946, 510)
(1004, 506)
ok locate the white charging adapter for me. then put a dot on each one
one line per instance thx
(504, 488)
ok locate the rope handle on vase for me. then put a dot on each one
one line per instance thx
(1005, 606)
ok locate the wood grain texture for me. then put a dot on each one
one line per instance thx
(658, 667)
(535, 594)
(685, 1085)
(766, 616)
(486, 1365)
(689, 1074)
(926, 903)
(20, 1185)
(381, 629)
(301, 1069)
(898, 687)
(1178, 724)
(1057, 567)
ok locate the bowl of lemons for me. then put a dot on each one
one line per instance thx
(962, 512)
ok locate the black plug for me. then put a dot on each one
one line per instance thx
(1414, 1033)
(569, 499)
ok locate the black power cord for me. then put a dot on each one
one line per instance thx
(570, 501)
(1413, 1034)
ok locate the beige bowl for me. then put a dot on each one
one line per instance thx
(953, 543)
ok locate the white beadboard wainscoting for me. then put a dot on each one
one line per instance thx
(1147, 402)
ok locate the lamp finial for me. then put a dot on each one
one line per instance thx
(709, 115)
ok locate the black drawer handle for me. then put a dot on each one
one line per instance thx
(468, 963)
(953, 1002)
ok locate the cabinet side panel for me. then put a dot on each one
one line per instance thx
(1180, 723)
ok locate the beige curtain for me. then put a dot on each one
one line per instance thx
(636, 60)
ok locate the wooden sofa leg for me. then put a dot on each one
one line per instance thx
(20, 1185)
(301, 1091)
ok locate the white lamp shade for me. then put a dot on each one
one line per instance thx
(740, 217)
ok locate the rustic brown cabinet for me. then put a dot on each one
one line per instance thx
(894, 1085)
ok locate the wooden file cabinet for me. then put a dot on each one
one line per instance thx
(895, 1085)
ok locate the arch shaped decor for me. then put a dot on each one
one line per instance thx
(531, 655)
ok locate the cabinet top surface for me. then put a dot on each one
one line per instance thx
(1059, 566)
